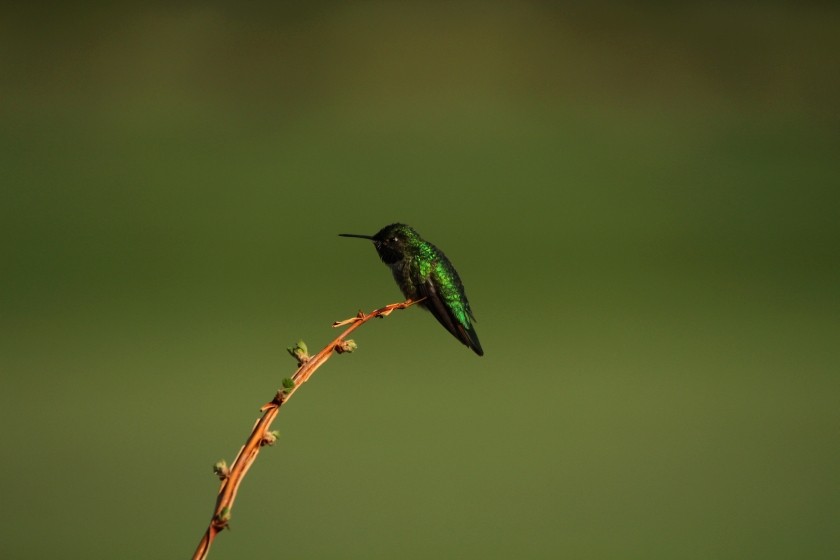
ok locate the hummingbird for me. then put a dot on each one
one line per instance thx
(423, 273)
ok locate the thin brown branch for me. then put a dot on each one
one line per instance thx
(260, 435)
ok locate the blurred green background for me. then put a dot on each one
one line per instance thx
(642, 200)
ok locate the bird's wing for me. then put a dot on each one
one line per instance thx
(455, 317)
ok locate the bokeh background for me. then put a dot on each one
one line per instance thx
(642, 200)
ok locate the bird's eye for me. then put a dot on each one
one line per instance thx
(395, 239)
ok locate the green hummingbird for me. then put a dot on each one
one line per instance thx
(424, 273)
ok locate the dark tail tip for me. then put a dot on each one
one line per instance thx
(472, 342)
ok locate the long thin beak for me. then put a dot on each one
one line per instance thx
(356, 235)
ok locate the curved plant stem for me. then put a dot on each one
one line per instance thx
(260, 435)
